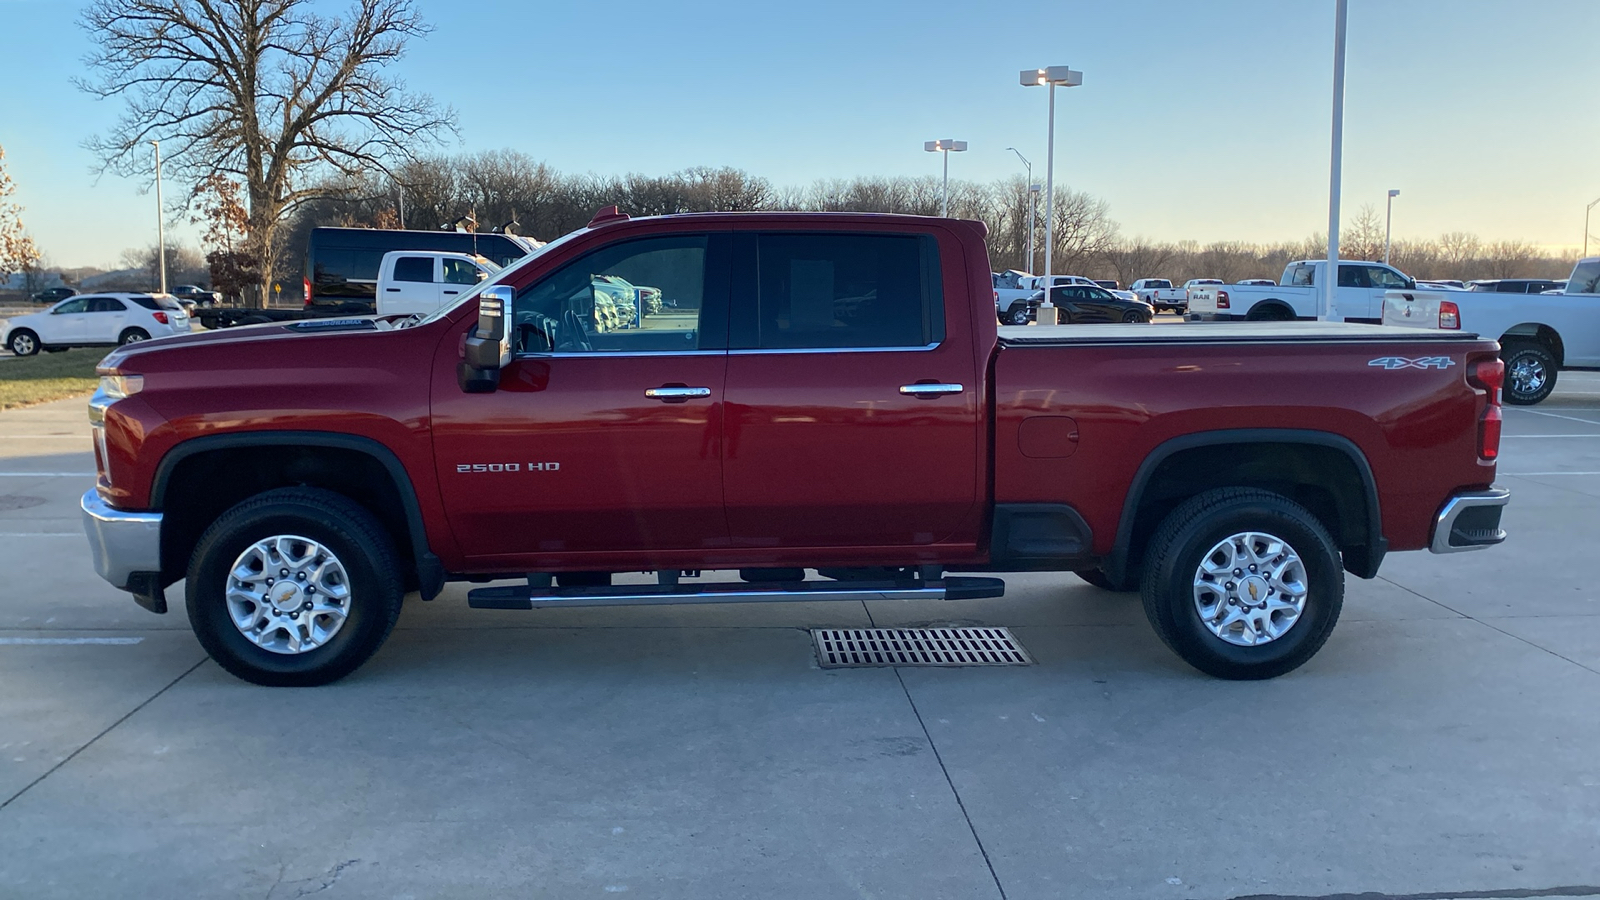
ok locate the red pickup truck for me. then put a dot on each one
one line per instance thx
(820, 402)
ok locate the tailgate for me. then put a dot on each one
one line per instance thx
(1203, 299)
(1420, 309)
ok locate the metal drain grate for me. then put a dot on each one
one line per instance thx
(839, 648)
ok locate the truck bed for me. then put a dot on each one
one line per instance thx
(1220, 332)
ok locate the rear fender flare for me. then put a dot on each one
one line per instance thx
(1116, 564)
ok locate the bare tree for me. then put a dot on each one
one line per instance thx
(1363, 237)
(1131, 260)
(265, 91)
(17, 250)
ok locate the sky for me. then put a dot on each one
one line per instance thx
(1196, 121)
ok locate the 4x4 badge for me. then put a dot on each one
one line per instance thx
(1421, 362)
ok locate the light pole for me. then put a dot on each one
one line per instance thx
(1586, 226)
(1388, 222)
(1033, 200)
(161, 227)
(1065, 77)
(1331, 289)
(946, 147)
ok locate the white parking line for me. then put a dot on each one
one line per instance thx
(42, 437)
(47, 474)
(12, 534)
(1508, 437)
(1557, 416)
(29, 642)
(1543, 474)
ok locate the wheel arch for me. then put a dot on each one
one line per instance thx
(233, 467)
(1324, 466)
(1539, 333)
(1273, 303)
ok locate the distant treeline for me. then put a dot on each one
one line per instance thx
(499, 187)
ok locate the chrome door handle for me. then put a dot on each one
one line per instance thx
(930, 390)
(676, 394)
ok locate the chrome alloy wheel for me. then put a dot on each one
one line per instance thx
(1250, 589)
(288, 594)
(1527, 375)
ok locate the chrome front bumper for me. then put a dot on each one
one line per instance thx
(1470, 521)
(123, 543)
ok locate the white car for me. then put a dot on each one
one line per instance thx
(95, 320)
(414, 282)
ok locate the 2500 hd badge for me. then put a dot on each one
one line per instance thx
(464, 468)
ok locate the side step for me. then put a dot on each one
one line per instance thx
(528, 597)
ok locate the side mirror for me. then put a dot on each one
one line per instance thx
(487, 348)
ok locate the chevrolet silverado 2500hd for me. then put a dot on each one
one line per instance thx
(822, 403)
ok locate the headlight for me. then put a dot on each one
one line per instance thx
(117, 387)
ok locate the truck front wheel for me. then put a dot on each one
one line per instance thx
(1243, 583)
(294, 587)
(1530, 373)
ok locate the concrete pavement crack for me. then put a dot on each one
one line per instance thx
(1492, 627)
(939, 757)
(125, 717)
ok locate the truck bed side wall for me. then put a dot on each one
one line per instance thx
(1417, 428)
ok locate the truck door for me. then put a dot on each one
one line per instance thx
(1380, 280)
(595, 441)
(456, 277)
(413, 288)
(854, 407)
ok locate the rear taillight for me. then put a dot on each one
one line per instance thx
(160, 316)
(307, 283)
(1222, 300)
(1489, 374)
(1449, 315)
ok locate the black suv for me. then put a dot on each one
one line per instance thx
(55, 295)
(1080, 304)
(1517, 285)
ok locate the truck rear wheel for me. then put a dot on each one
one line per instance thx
(294, 587)
(1017, 315)
(1530, 373)
(1243, 583)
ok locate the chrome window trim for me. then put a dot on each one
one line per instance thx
(608, 354)
(769, 351)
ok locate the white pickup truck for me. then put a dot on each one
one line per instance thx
(1015, 296)
(420, 281)
(1159, 293)
(1359, 298)
(1539, 334)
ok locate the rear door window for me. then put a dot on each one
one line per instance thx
(1353, 276)
(414, 268)
(841, 291)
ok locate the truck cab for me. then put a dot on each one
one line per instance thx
(413, 282)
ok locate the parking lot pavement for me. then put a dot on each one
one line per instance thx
(1441, 745)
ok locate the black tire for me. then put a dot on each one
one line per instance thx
(1017, 315)
(1180, 545)
(346, 529)
(1098, 577)
(1530, 373)
(1269, 313)
(23, 342)
(1134, 316)
(132, 336)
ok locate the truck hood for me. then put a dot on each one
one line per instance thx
(268, 344)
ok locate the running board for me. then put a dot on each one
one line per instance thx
(525, 597)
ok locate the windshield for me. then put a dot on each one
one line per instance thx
(497, 275)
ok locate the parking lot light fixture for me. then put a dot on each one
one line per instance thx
(161, 226)
(1033, 202)
(946, 147)
(1388, 220)
(1586, 225)
(1052, 76)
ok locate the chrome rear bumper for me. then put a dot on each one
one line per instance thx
(1470, 521)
